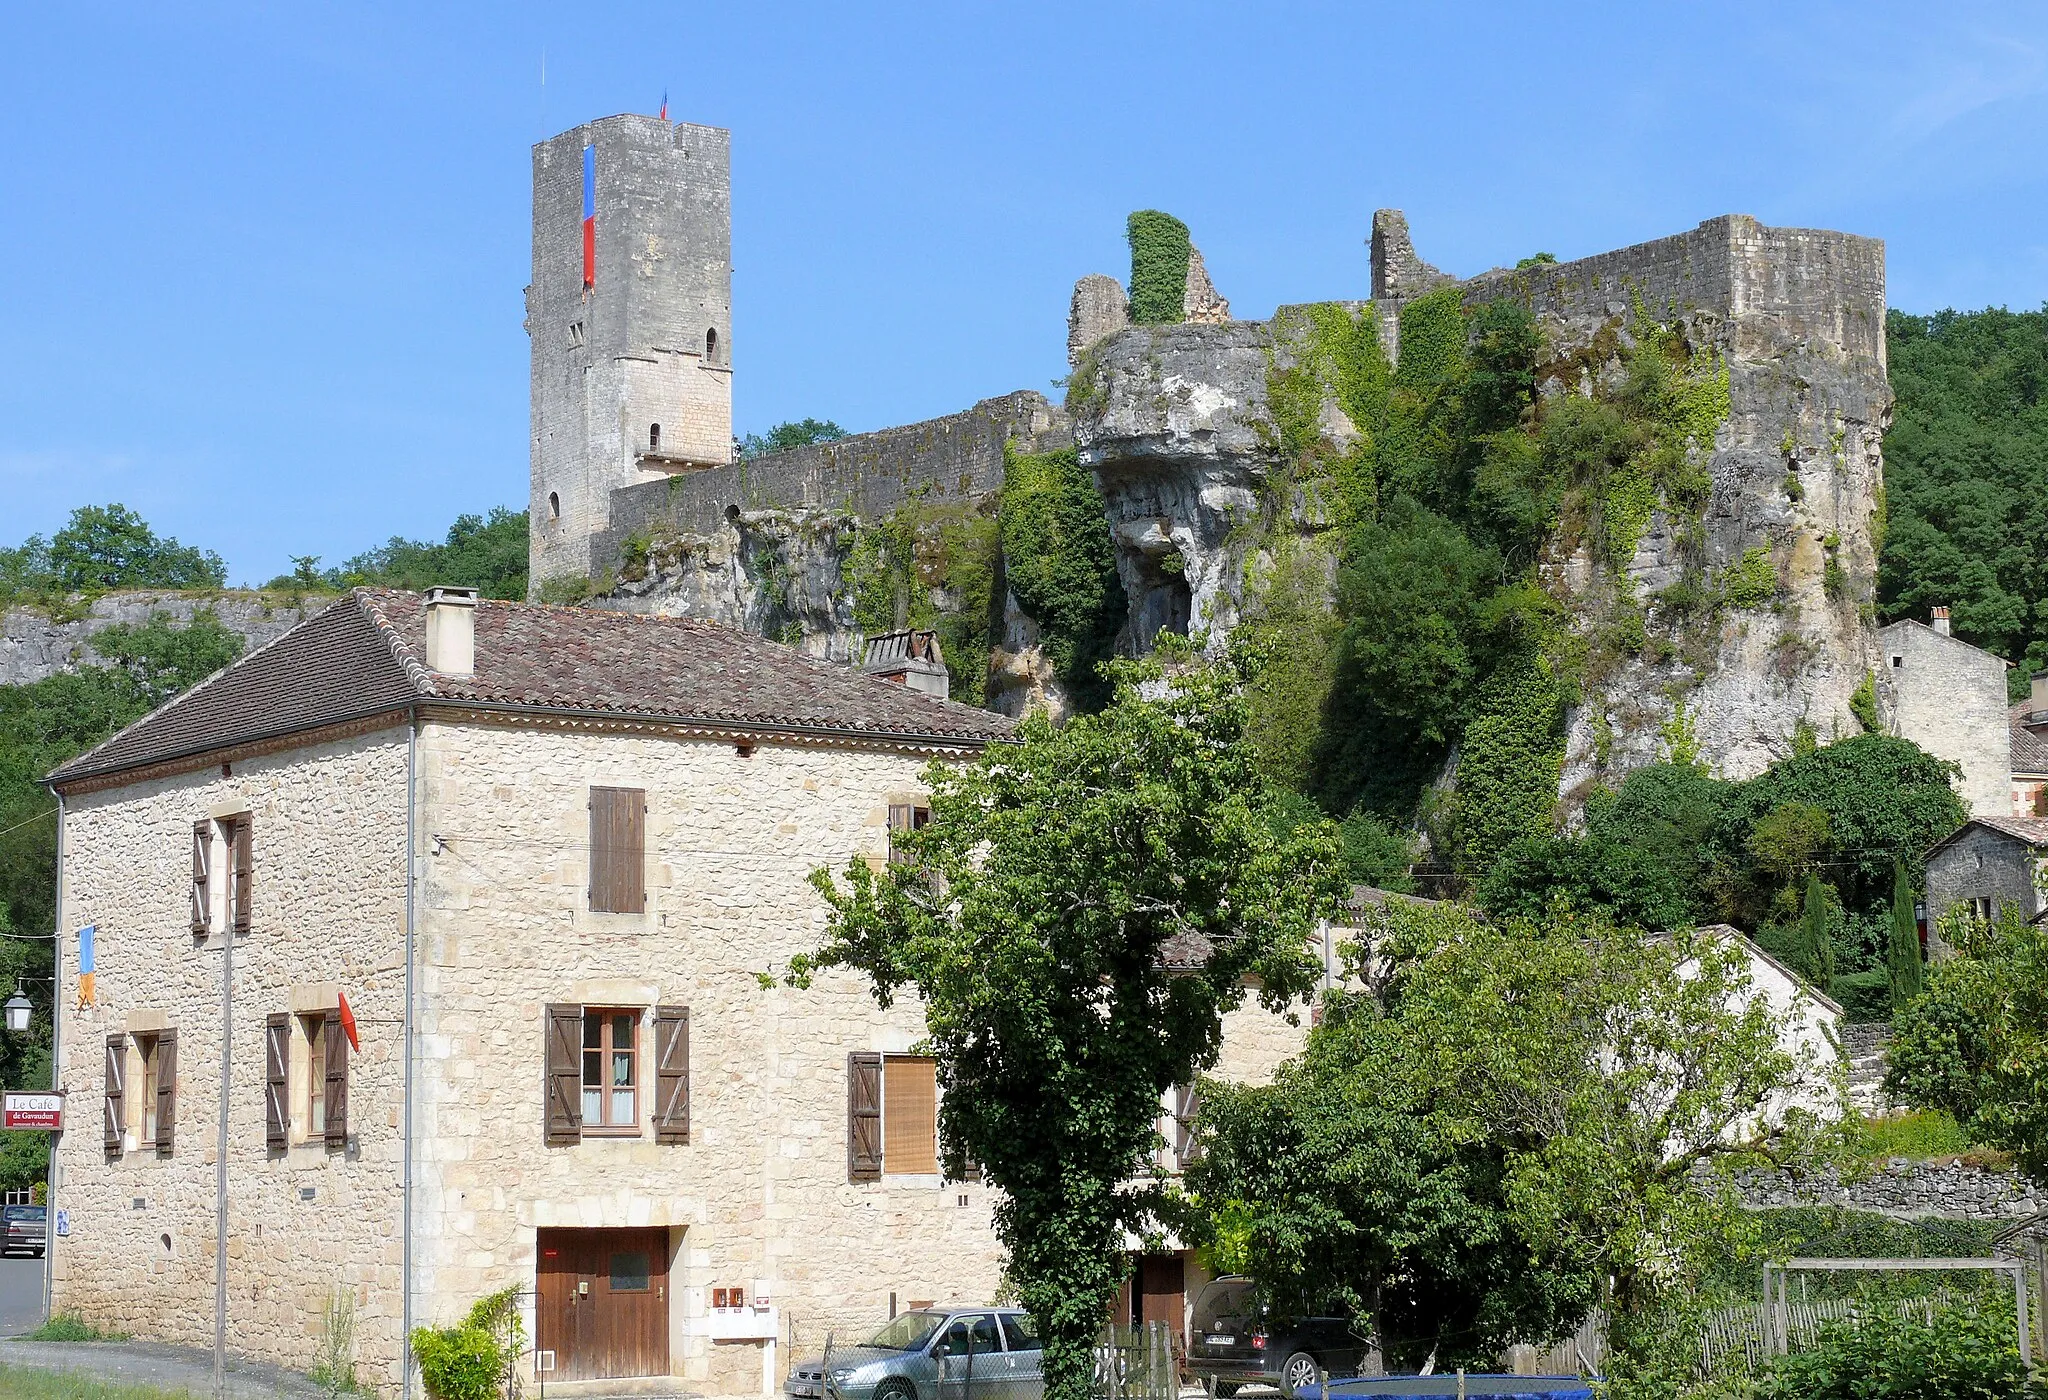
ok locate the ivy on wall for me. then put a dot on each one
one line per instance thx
(932, 567)
(1159, 267)
(1059, 564)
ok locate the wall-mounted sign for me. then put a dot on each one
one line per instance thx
(22, 1109)
(63, 1222)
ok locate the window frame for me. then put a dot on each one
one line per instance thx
(146, 1045)
(605, 1049)
(309, 1090)
(906, 816)
(938, 1164)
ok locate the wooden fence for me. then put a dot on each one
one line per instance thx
(1137, 1363)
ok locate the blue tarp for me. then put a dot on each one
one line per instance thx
(1432, 1387)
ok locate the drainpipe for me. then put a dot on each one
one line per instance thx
(412, 750)
(56, 1068)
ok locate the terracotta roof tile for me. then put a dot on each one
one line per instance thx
(366, 654)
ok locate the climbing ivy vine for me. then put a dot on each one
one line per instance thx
(1060, 566)
(932, 566)
(1160, 249)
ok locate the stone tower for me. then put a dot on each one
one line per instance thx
(629, 315)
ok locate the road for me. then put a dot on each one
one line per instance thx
(21, 1294)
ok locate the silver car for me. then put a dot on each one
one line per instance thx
(931, 1354)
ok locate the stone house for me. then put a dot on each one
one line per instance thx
(2029, 720)
(1948, 697)
(533, 858)
(1989, 863)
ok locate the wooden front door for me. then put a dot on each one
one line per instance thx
(603, 1304)
(1163, 1292)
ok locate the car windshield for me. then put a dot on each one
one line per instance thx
(34, 1213)
(907, 1331)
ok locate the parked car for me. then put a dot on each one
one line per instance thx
(931, 1354)
(1238, 1341)
(28, 1230)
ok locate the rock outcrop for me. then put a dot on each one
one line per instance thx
(34, 643)
(1175, 420)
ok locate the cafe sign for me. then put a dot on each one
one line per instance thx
(23, 1109)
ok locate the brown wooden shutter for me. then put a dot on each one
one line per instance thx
(864, 1116)
(910, 1116)
(1187, 1105)
(564, 1088)
(672, 1074)
(336, 1088)
(117, 1090)
(618, 850)
(202, 877)
(166, 1089)
(277, 1051)
(244, 859)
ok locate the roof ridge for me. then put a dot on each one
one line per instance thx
(417, 675)
(189, 691)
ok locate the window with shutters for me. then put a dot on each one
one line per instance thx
(238, 840)
(145, 1058)
(611, 1071)
(315, 1084)
(202, 878)
(892, 1116)
(311, 1114)
(905, 816)
(1183, 1103)
(115, 1126)
(277, 1061)
(618, 850)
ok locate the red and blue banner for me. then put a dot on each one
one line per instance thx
(589, 216)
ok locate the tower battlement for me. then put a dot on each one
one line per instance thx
(629, 318)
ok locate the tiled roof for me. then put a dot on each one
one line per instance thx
(367, 654)
(2032, 830)
(2029, 749)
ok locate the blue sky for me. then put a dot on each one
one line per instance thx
(262, 263)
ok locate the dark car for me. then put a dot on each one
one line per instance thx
(28, 1230)
(1239, 1341)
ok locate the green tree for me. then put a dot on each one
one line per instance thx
(804, 432)
(1975, 1045)
(1902, 952)
(1502, 1123)
(485, 553)
(1081, 911)
(1816, 948)
(1966, 479)
(1060, 566)
(103, 547)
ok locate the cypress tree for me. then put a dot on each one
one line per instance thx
(1902, 956)
(1820, 950)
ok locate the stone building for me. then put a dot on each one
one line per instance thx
(1990, 863)
(629, 315)
(536, 858)
(2029, 721)
(1948, 697)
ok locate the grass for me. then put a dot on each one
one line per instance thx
(19, 1383)
(69, 1327)
(1919, 1136)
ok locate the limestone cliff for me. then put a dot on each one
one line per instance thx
(36, 642)
(1178, 424)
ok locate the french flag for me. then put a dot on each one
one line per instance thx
(589, 216)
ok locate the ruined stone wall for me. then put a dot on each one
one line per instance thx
(955, 458)
(34, 643)
(329, 912)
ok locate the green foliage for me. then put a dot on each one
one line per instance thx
(1741, 852)
(1287, 617)
(1863, 704)
(1513, 754)
(1160, 249)
(1336, 355)
(899, 564)
(485, 553)
(1965, 1350)
(804, 432)
(1060, 566)
(1378, 853)
(1033, 916)
(474, 1359)
(105, 547)
(1917, 1136)
(1975, 1044)
(1497, 1128)
(70, 1327)
(29, 1383)
(1903, 960)
(1966, 478)
(1750, 582)
(1817, 950)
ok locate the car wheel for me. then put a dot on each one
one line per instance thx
(1297, 1373)
(895, 1390)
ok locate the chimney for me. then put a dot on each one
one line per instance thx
(909, 658)
(451, 631)
(1938, 620)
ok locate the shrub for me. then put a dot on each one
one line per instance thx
(70, 1327)
(474, 1359)
(1961, 1351)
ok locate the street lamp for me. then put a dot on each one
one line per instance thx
(17, 1009)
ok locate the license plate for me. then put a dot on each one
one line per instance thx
(803, 1391)
(1217, 1339)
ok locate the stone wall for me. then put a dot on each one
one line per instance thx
(1949, 698)
(34, 644)
(1981, 862)
(1903, 1190)
(329, 912)
(955, 458)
